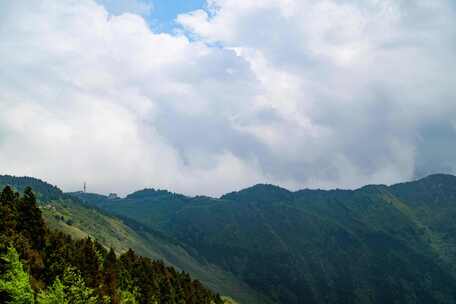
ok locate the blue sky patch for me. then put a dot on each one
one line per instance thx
(160, 14)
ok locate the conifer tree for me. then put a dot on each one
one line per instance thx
(110, 277)
(88, 263)
(30, 221)
(8, 195)
(8, 213)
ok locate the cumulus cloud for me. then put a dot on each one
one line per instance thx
(297, 93)
(355, 84)
(87, 95)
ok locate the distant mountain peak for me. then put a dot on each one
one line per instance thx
(439, 177)
(259, 193)
(266, 187)
(151, 193)
(373, 188)
(43, 189)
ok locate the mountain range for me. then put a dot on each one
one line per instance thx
(265, 244)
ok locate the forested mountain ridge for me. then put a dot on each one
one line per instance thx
(39, 265)
(70, 215)
(44, 191)
(376, 244)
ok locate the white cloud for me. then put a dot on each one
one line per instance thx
(353, 82)
(299, 93)
(81, 94)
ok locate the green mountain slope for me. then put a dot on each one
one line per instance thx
(377, 244)
(38, 265)
(70, 215)
(432, 203)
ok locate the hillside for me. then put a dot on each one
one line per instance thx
(70, 215)
(44, 266)
(376, 244)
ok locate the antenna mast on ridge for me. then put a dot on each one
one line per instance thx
(85, 187)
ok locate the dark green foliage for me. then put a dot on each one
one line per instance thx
(8, 212)
(59, 269)
(30, 223)
(110, 273)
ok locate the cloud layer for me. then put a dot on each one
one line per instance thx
(297, 93)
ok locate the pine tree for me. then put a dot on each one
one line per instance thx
(8, 213)
(30, 221)
(87, 261)
(8, 195)
(110, 277)
(167, 292)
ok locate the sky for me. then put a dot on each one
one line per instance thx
(160, 14)
(207, 97)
